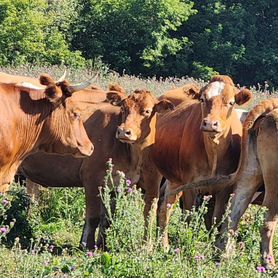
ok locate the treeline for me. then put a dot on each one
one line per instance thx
(146, 37)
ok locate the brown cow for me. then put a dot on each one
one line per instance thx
(124, 131)
(199, 140)
(185, 93)
(258, 165)
(39, 119)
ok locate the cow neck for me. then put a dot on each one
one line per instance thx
(138, 150)
(34, 126)
(216, 149)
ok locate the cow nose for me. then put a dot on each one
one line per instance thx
(123, 133)
(209, 125)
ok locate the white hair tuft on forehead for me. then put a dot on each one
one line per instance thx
(215, 89)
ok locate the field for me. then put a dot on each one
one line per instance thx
(40, 238)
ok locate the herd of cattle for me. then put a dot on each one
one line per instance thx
(58, 134)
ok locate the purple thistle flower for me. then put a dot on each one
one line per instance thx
(129, 190)
(261, 269)
(90, 254)
(207, 197)
(128, 182)
(118, 189)
(169, 206)
(269, 258)
(5, 202)
(3, 230)
(199, 258)
(50, 248)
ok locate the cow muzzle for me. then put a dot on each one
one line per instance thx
(125, 135)
(211, 126)
(83, 151)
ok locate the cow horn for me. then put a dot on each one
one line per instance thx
(63, 77)
(83, 85)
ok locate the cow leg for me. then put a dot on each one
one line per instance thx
(92, 216)
(33, 190)
(221, 200)
(166, 210)
(268, 229)
(267, 147)
(249, 181)
(150, 181)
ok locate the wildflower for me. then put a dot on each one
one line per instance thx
(261, 269)
(217, 264)
(269, 258)
(241, 245)
(119, 189)
(95, 247)
(3, 230)
(5, 202)
(129, 190)
(128, 182)
(169, 206)
(199, 258)
(50, 248)
(177, 251)
(207, 197)
(90, 254)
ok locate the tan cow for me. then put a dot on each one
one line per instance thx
(185, 93)
(39, 119)
(124, 131)
(199, 139)
(258, 165)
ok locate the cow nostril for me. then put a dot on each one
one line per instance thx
(127, 132)
(215, 124)
(204, 122)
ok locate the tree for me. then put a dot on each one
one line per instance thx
(137, 36)
(28, 35)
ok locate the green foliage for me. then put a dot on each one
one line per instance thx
(30, 35)
(236, 38)
(134, 35)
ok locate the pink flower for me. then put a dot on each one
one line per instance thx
(129, 190)
(199, 258)
(90, 254)
(177, 250)
(207, 198)
(3, 230)
(5, 202)
(169, 206)
(128, 182)
(118, 189)
(261, 269)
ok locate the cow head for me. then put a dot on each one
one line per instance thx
(65, 124)
(218, 99)
(137, 112)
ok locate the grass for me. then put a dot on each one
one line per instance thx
(40, 239)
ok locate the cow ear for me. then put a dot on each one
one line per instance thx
(53, 93)
(115, 98)
(163, 106)
(243, 96)
(46, 80)
(116, 88)
(193, 91)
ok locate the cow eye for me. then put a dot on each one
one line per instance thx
(147, 112)
(76, 115)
